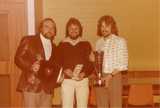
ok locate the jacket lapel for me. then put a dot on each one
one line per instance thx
(41, 49)
(40, 46)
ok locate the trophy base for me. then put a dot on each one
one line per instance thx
(99, 83)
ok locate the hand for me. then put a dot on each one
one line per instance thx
(81, 75)
(107, 80)
(68, 72)
(36, 66)
(31, 79)
(91, 57)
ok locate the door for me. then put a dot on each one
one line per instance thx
(12, 27)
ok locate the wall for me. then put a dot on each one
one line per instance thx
(137, 21)
(38, 13)
(5, 91)
(13, 27)
(30, 17)
(159, 33)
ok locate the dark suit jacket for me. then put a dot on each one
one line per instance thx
(29, 48)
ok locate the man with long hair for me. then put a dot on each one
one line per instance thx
(74, 54)
(115, 61)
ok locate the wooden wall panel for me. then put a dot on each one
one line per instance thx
(38, 13)
(4, 67)
(17, 27)
(141, 77)
(16, 1)
(17, 31)
(158, 13)
(4, 91)
(4, 41)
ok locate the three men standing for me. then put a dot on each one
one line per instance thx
(40, 59)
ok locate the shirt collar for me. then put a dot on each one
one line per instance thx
(71, 41)
(108, 37)
(43, 39)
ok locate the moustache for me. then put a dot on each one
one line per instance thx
(49, 35)
(105, 31)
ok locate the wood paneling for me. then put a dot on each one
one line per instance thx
(38, 12)
(13, 13)
(141, 77)
(15, 1)
(4, 41)
(4, 91)
(143, 74)
(4, 68)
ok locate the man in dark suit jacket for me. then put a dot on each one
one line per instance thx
(35, 56)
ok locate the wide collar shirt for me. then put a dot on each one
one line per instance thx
(47, 46)
(115, 53)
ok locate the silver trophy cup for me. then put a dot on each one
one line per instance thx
(98, 68)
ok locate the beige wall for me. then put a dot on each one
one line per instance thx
(137, 21)
(159, 33)
(38, 13)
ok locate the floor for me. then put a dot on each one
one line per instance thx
(156, 106)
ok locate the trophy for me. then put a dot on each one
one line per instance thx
(33, 78)
(76, 71)
(98, 68)
(60, 77)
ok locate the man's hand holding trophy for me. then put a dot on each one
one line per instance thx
(101, 80)
(98, 68)
(35, 68)
(76, 73)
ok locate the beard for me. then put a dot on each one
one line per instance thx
(74, 38)
(106, 33)
(48, 35)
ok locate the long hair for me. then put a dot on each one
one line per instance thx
(109, 20)
(74, 21)
(44, 20)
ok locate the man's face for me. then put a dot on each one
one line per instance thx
(105, 29)
(48, 29)
(73, 31)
